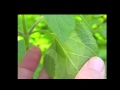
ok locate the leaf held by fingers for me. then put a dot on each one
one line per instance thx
(63, 60)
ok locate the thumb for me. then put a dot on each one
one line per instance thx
(93, 69)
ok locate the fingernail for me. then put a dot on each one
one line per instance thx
(96, 63)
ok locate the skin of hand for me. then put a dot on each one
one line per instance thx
(93, 68)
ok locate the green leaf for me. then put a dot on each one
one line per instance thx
(61, 25)
(64, 60)
(21, 49)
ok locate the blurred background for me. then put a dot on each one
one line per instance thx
(96, 22)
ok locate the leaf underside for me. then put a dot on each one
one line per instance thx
(63, 60)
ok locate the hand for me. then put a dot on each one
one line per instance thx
(93, 69)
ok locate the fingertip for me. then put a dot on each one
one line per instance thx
(31, 58)
(35, 48)
(93, 69)
(29, 63)
(96, 63)
(43, 74)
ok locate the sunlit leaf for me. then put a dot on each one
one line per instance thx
(103, 30)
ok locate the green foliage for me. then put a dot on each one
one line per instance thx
(54, 37)
(21, 49)
(64, 60)
(61, 25)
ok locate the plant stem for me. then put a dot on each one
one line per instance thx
(26, 36)
(44, 31)
(34, 25)
(20, 34)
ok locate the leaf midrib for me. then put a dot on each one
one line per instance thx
(66, 54)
